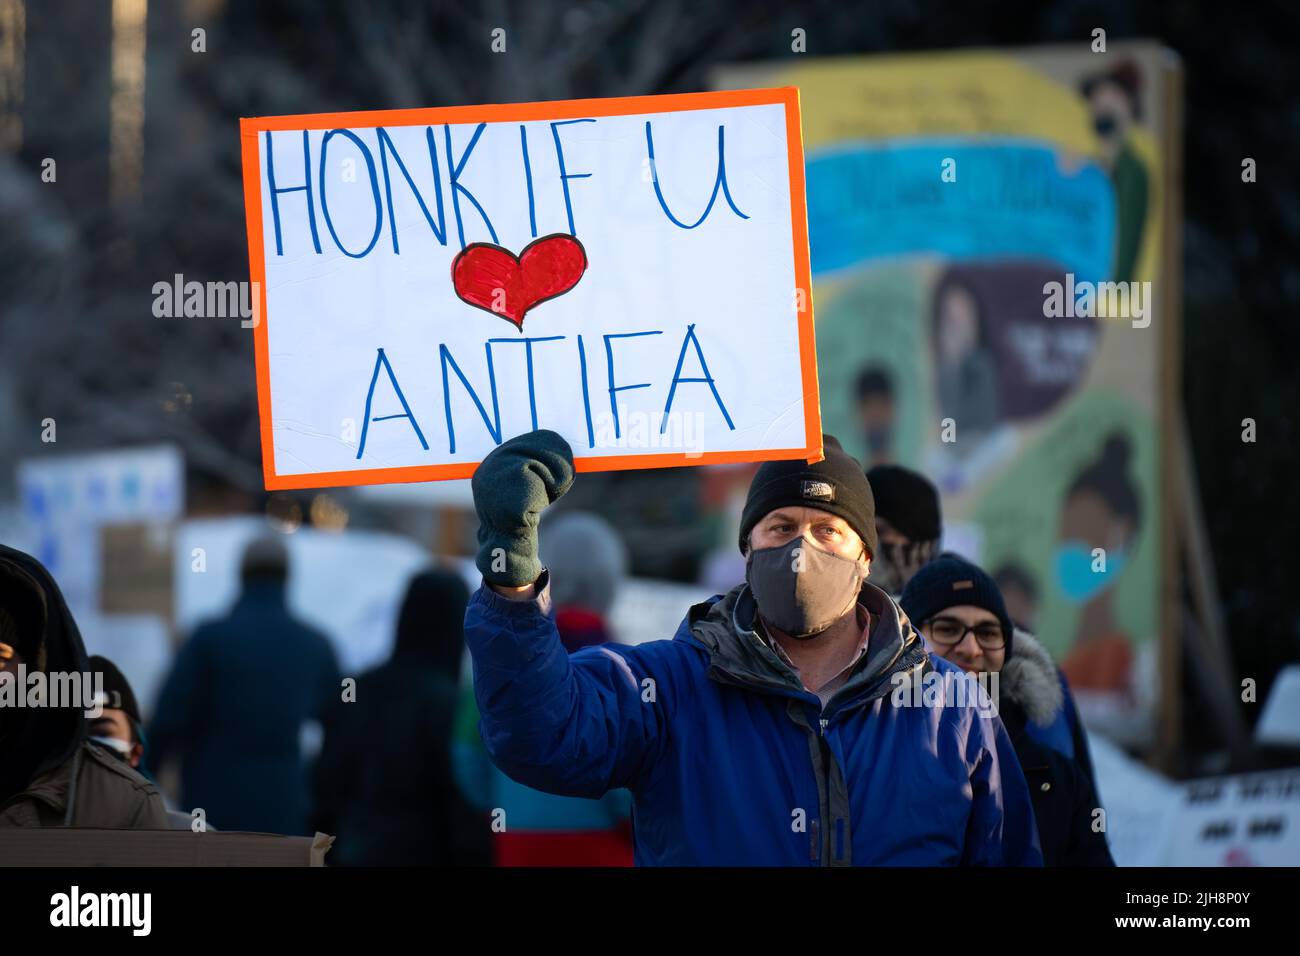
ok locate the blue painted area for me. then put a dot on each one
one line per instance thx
(1010, 200)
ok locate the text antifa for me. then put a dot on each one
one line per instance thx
(493, 422)
(437, 216)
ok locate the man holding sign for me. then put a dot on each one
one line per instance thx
(770, 730)
(628, 278)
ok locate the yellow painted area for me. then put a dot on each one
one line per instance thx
(945, 95)
(959, 94)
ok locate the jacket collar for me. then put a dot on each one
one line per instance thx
(738, 655)
(1029, 680)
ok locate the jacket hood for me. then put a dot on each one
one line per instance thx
(739, 655)
(1029, 680)
(431, 624)
(38, 739)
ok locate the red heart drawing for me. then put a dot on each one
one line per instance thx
(492, 278)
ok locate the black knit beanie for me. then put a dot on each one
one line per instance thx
(948, 581)
(835, 484)
(116, 687)
(907, 500)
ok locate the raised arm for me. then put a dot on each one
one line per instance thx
(573, 726)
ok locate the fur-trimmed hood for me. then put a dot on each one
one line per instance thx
(1029, 679)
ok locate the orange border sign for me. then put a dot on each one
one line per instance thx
(514, 113)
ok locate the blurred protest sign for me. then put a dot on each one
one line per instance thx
(994, 241)
(1249, 820)
(650, 610)
(649, 254)
(67, 500)
(1141, 805)
(349, 585)
(137, 569)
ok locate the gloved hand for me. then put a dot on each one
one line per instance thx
(511, 486)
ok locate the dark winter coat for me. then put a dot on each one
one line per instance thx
(1066, 805)
(1055, 720)
(50, 773)
(383, 784)
(233, 709)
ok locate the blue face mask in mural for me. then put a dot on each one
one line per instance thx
(1075, 575)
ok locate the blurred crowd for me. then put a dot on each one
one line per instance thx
(400, 774)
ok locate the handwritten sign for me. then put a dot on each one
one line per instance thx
(631, 273)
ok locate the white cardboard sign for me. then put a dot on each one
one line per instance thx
(631, 273)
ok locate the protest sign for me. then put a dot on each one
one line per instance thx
(631, 273)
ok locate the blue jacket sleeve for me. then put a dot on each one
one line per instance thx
(1002, 830)
(575, 726)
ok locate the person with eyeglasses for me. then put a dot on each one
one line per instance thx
(961, 614)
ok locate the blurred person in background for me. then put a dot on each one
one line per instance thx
(119, 728)
(233, 708)
(589, 562)
(873, 394)
(383, 783)
(1020, 591)
(908, 525)
(765, 732)
(51, 774)
(964, 619)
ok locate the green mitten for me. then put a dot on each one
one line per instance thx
(511, 486)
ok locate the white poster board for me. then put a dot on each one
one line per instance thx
(631, 273)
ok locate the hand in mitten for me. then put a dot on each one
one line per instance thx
(511, 486)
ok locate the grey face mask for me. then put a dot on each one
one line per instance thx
(802, 589)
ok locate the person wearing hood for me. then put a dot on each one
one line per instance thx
(588, 562)
(383, 783)
(51, 774)
(963, 617)
(766, 731)
(233, 708)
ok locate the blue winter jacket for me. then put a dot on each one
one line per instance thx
(731, 761)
